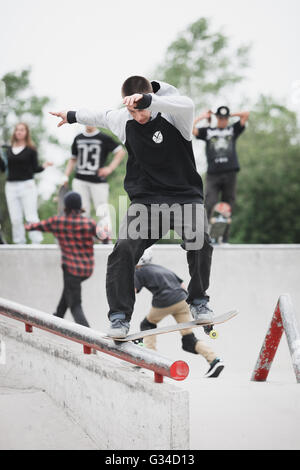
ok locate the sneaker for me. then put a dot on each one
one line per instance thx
(119, 327)
(215, 369)
(200, 311)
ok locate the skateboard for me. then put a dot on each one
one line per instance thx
(63, 190)
(221, 218)
(178, 327)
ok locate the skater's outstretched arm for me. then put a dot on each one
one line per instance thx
(114, 120)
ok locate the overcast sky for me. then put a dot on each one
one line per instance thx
(81, 51)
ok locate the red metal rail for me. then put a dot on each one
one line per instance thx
(91, 339)
(284, 319)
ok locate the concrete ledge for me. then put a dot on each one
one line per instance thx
(117, 406)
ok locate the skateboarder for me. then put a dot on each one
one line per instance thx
(169, 298)
(90, 150)
(75, 234)
(156, 127)
(222, 159)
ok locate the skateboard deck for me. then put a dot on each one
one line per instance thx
(178, 327)
(63, 190)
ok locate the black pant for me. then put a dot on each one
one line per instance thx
(71, 298)
(220, 187)
(127, 252)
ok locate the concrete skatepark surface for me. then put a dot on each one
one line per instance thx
(30, 420)
(230, 412)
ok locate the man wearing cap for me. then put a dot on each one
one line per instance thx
(75, 234)
(222, 159)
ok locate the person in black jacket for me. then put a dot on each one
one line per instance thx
(21, 162)
(156, 126)
(222, 159)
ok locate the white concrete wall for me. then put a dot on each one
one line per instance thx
(117, 406)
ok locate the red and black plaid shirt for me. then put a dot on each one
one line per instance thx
(75, 235)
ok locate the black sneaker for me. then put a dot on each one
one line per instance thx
(215, 369)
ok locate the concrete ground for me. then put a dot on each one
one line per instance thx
(225, 413)
(232, 413)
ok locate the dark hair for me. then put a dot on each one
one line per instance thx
(72, 202)
(136, 84)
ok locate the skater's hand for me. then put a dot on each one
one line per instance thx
(132, 99)
(104, 172)
(62, 115)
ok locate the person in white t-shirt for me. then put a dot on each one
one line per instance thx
(90, 150)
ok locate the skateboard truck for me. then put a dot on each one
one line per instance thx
(209, 330)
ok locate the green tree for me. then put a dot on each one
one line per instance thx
(201, 62)
(268, 194)
(20, 104)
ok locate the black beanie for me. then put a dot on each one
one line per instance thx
(72, 200)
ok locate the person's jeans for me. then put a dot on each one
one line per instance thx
(128, 250)
(21, 197)
(71, 298)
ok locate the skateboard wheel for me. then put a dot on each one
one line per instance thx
(139, 342)
(213, 334)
